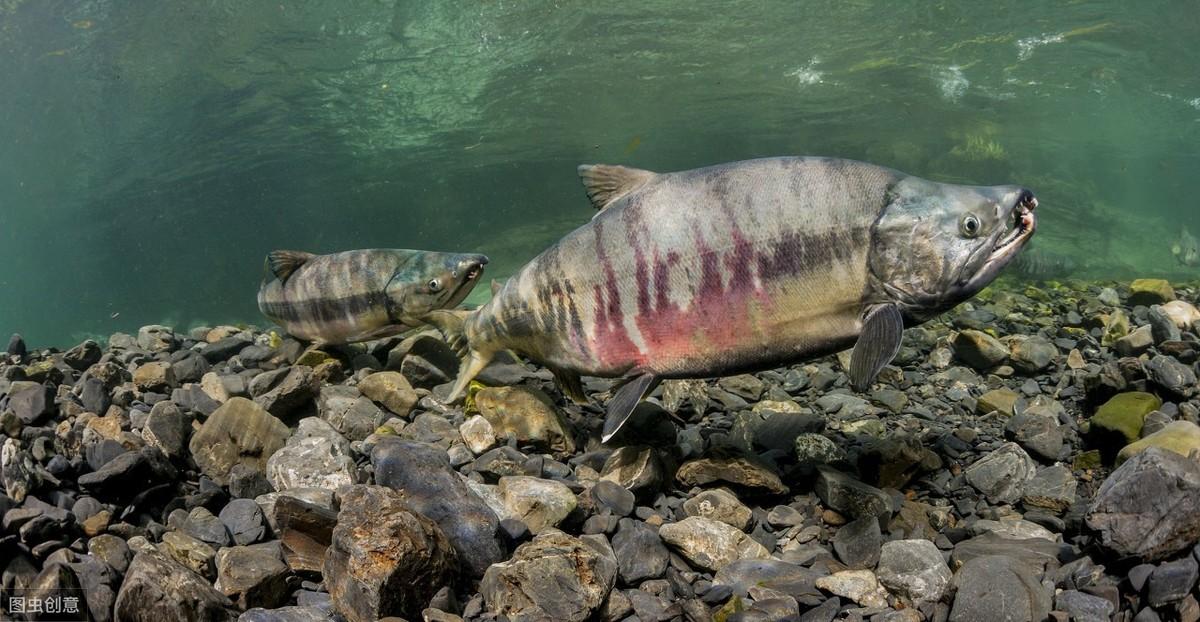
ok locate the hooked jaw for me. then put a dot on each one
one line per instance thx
(1024, 223)
(466, 275)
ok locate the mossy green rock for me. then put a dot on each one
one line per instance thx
(314, 357)
(1119, 421)
(1087, 460)
(1181, 437)
(1148, 292)
(999, 400)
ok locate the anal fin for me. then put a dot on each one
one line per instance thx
(571, 385)
(877, 345)
(624, 401)
(283, 263)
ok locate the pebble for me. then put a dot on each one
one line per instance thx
(720, 505)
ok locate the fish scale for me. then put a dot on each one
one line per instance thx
(744, 266)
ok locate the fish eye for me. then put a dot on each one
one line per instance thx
(969, 226)
(435, 285)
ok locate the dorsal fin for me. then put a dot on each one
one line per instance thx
(284, 263)
(605, 183)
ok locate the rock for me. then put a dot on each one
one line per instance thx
(247, 482)
(384, 559)
(913, 570)
(154, 376)
(239, 432)
(1001, 474)
(1035, 553)
(1181, 437)
(1135, 342)
(846, 495)
(1162, 326)
(156, 589)
(816, 449)
(611, 496)
(83, 355)
(224, 349)
(155, 338)
(111, 550)
(1119, 421)
(423, 476)
(243, 518)
(739, 470)
(94, 397)
(527, 415)
(189, 551)
(478, 434)
(710, 544)
(305, 527)
(979, 349)
(282, 394)
(860, 586)
(351, 414)
(1038, 432)
(1150, 506)
(1174, 377)
(128, 474)
(17, 471)
(998, 589)
(165, 429)
(997, 400)
(719, 505)
(312, 462)
(858, 542)
(1148, 292)
(1052, 488)
(16, 346)
(891, 462)
(1083, 607)
(639, 551)
(1172, 581)
(201, 524)
(30, 401)
(253, 576)
(552, 577)
(1013, 529)
(539, 503)
(636, 468)
(1031, 355)
(787, 578)
(392, 390)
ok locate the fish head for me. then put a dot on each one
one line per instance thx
(433, 281)
(936, 245)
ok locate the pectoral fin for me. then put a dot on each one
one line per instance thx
(624, 401)
(606, 183)
(450, 324)
(877, 344)
(283, 263)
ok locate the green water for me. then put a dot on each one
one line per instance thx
(152, 151)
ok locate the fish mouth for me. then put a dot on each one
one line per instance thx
(1023, 224)
(471, 271)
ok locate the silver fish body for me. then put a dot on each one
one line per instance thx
(748, 265)
(363, 294)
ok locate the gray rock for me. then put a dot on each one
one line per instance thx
(850, 497)
(422, 473)
(609, 495)
(280, 394)
(791, 579)
(816, 449)
(1150, 506)
(636, 468)
(1031, 355)
(1172, 581)
(202, 525)
(710, 544)
(913, 570)
(1135, 342)
(286, 614)
(155, 338)
(165, 429)
(351, 414)
(94, 396)
(640, 553)
(111, 550)
(427, 363)
(244, 520)
(858, 543)
(190, 552)
(1083, 607)
(539, 503)
(247, 482)
(312, 458)
(1170, 374)
(998, 589)
(552, 577)
(30, 401)
(384, 558)
(128, 474)
(720, 505)
(1001, 474)
(1033, 553)
(1162, 327)
(390, 389)
(16, 346)
(18, 472)
(157, 589)
(239, 432)
(252, 576)
(1038, 432)
(188, 366)
(1052, 488)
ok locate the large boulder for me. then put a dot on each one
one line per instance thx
(384, 559)
(239, 432)
(527, 415)
(1149, 507)
(553, 577)
(157, 589)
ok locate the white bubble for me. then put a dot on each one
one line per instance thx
(807, 74)
(1026, 46)
(952, 82)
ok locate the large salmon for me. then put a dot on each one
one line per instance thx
(363, 294)
(744, 266)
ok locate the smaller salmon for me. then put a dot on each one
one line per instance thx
(362, 295)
